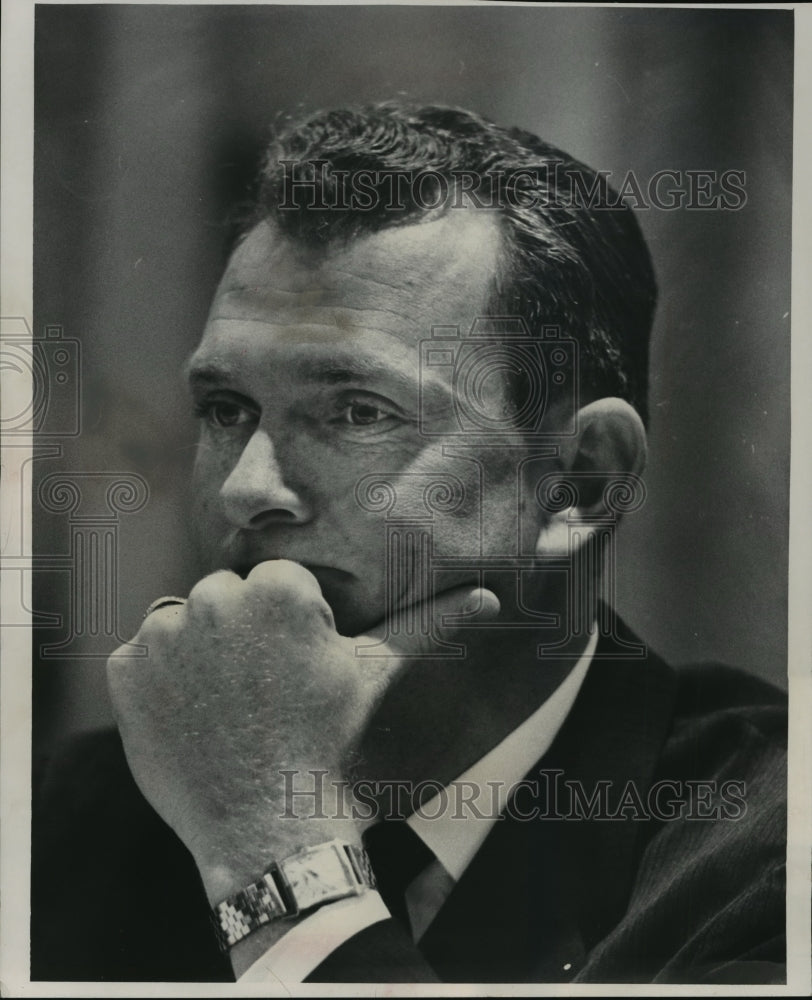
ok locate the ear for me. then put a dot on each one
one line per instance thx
(611, 439)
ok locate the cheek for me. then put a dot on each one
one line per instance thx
(488, 521)
(209, 473)
(213, 465)
(358, 534)
(208, 528)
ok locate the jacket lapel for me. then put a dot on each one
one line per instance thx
(542, 891)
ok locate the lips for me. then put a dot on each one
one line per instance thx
(321, 572)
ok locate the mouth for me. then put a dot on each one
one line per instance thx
(324, 574)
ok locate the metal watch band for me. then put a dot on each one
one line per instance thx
(318, 875)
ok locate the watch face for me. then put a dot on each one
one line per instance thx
(319, 876)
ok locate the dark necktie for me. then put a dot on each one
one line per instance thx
(398, 856)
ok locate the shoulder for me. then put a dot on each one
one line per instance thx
(727, 724)
(710, 885)
(704, 688)
(726, 753)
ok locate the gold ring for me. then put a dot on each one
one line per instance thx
(163, 602)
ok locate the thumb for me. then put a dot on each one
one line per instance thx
(429, 626)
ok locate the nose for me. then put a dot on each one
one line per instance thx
(256, 493)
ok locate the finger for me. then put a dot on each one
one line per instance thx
(213, 592)
(286, 587)
(163, 614)
(461, 607)
(163, 602)
(416, 630)
(282, 576)
(158, 624)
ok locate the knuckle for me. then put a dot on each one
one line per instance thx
(210, 593)
(285, 588)
(285, 580)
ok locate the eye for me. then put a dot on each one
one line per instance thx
(225, 413)
(363, 414)
(359, 416)
(367, 415)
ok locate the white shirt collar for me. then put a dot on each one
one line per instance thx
(450, 829)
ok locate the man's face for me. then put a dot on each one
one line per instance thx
(307, 380)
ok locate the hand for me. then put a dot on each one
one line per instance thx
(246, 679)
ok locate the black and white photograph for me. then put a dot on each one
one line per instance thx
(405, 562)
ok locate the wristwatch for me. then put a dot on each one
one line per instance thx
(304, 881)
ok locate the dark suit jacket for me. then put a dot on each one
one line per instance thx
(635, 898)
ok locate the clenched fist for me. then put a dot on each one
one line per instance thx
(248, 678)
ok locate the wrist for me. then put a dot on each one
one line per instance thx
(290, 889)
(238, 848)
(227, 868)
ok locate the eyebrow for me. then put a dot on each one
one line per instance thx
(363, 371)
(328, 371)
(331, 372)
(207, 374)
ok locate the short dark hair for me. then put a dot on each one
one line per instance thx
(577, 262)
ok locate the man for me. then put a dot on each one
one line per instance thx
(421, 386)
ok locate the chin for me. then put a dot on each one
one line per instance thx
(352, 617)
(351, 624)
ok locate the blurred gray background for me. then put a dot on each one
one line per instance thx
(149, 120)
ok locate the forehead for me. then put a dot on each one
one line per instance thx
(380, 294)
